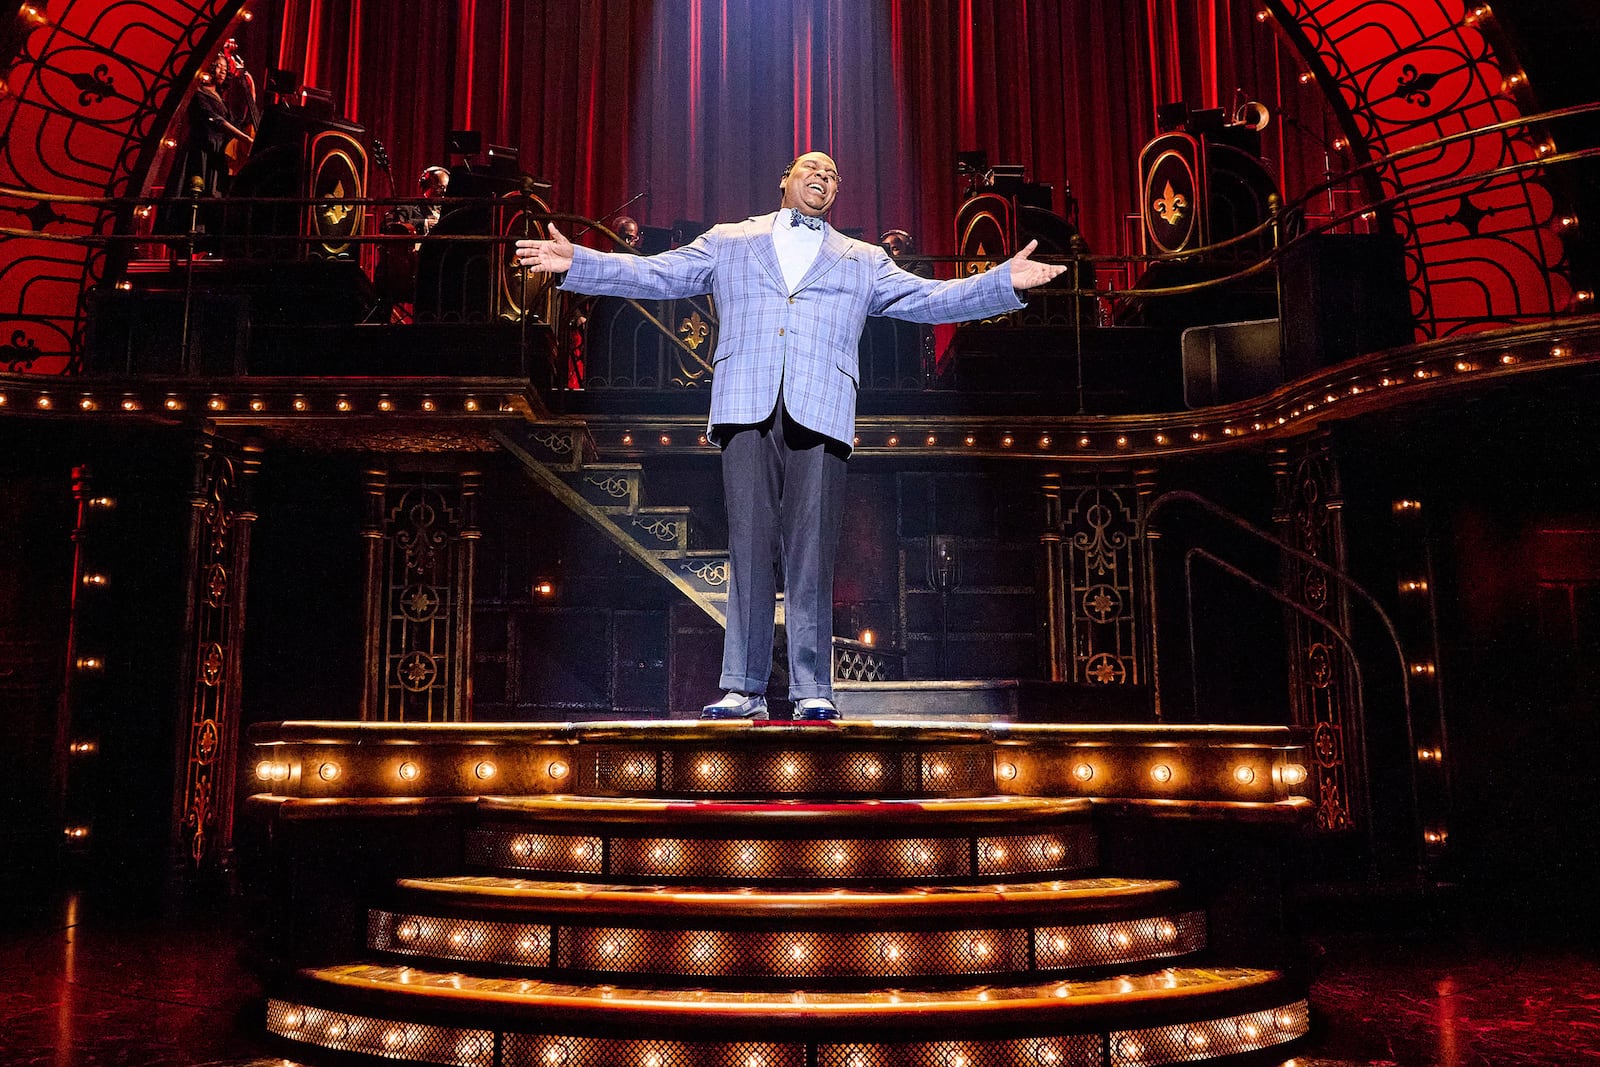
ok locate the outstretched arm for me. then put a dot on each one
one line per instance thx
(670, 275)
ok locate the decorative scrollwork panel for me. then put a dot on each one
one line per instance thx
(93, 88)
(1099, 535)
(422, 542)
(1320, 678)
(218, 565)
(1482, 228)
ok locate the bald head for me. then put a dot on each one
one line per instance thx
(810, 183)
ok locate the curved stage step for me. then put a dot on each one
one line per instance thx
(734, 895)
(926, 936)
(721, 842)
(1171, 1016)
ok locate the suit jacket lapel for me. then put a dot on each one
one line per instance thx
(760, 230)
(834, 246)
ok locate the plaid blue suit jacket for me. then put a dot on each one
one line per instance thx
(805, 342)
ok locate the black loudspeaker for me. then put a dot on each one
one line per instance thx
(141, 332)
(1344, 295)
(1230, 361)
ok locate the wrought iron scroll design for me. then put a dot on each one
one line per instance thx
(422, 538)
(93, 88)
(1309, 517)
(1484, 248)
(218, 566)
(1099, 540)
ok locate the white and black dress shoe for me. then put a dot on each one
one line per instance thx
(815, 709)
(736, 706)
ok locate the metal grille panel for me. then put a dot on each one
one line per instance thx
(514, 850)
(622, 770)
(958, 771)
(527, 944)
(530, 1050)
(795, 953)
(1073, 1050)
(737, 770)
(1070, 848)
(787, 773)
(834, 860)
(386, 1038)
(1101, 944)
(1209, 1039)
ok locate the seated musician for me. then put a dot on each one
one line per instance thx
(420, 218)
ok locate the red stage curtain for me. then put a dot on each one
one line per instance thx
(703, 101)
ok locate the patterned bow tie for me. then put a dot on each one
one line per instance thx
(810, 222)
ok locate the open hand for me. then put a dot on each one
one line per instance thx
(553, 256)
(1025, 273)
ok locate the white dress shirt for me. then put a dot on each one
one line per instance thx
(797, 246)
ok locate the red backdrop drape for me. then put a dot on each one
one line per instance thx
(701, 102)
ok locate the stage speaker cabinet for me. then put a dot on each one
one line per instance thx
(336, 180)
(1230, 361)
(139, 331)
(1344, 294)
(1197, 190)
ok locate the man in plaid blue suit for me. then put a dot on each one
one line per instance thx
(792, 297)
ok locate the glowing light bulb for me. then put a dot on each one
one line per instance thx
(328, 772)
(1161, 773)
(409, 771)
(557, 769)
(1083, 772)
(1293, 774)
(1244, 775)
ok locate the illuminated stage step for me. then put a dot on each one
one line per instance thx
(718, 842)
(1229, 773)
(929, 935)
(1173, 1016)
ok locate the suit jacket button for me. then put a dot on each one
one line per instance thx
(791, 300)
(780, 331)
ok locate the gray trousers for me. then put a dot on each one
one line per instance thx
(784, 488)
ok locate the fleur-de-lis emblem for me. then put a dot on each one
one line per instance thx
(694, 331)
(1170, 205)
(1414, 86)
(336, 213)
(96, 86)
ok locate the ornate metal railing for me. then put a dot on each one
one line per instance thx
(470, 278)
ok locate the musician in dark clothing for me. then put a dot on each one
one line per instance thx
(214, 125)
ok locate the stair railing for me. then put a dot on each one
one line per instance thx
(1148, 534)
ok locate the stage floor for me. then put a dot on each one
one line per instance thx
(84, 984)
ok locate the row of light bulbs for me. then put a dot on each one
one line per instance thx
(218, 402)
(1240, 1033)
(406, 770)
(1055, 947)
(1162, 439)
(1290, 774)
